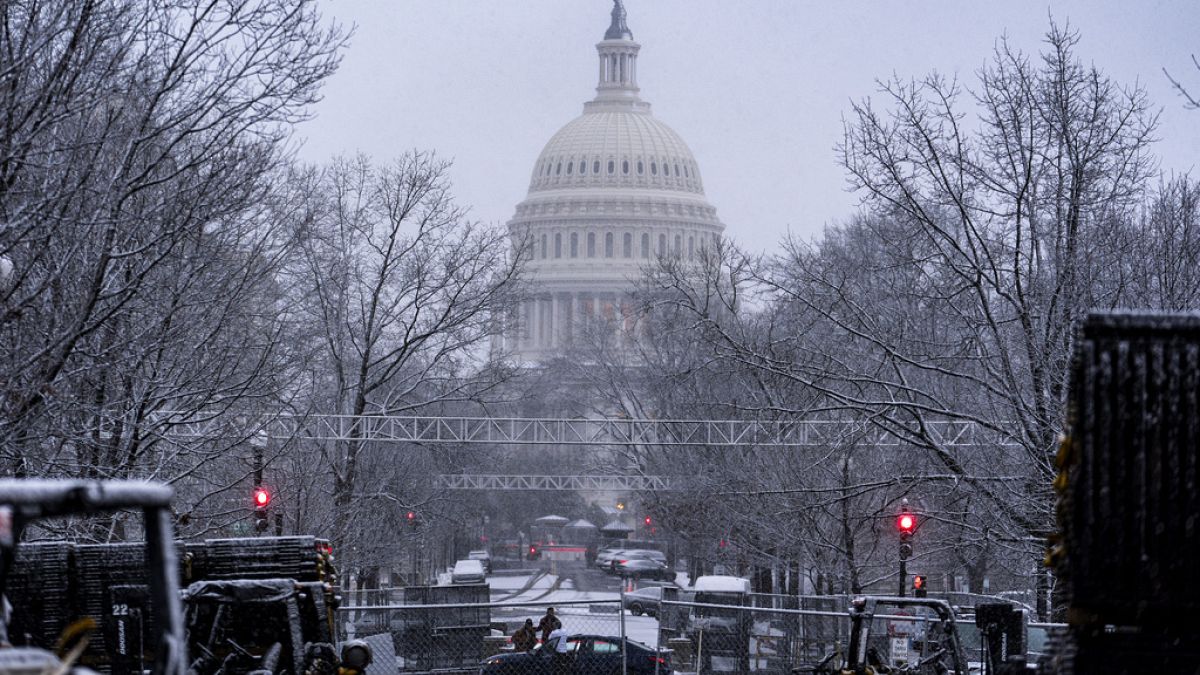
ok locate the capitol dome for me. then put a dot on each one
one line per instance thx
(616, 148)
(611, 191)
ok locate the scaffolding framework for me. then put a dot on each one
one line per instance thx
(532, 483)
(584, 432)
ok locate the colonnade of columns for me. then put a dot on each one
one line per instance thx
(549, 320)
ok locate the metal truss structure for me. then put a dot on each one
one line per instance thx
(593, 432)
(593, 483)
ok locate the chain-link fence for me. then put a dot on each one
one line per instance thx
(779, 634)
(459, 629)
(425, 634)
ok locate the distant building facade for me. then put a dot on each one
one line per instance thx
(611, 191)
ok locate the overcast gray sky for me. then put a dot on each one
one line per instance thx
(757, 89)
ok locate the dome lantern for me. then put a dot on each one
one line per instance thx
(618, 63)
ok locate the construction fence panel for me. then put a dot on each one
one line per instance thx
(766, 635)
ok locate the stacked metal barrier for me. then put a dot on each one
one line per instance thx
(57, 583)
(1129, 497)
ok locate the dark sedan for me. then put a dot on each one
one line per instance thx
(587, 654)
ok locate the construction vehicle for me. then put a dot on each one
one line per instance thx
(263, 604)
(24, 503)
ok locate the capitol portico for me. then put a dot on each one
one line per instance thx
(612, 190)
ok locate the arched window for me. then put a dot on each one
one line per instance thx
(544, 242)
(639, 167)
(645, 245)
(628, 245)
(558, 169)
(625, 167)
(591, 244)
(574, 244)
(691, 247)
(596, 167)
(582, 166)
(570, 165)
(608, 244)
(653, 169)
(678, 244)
(662, 244)
(685, 172)
(677, 171)
(612, 166)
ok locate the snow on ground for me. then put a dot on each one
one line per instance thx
(541, 586)
(508, 582)
(584, 618)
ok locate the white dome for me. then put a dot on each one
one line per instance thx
(618, 148)
(612, 191)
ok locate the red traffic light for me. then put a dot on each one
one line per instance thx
(906, 523)
(262, 497)
(411, 515)
(647, 521)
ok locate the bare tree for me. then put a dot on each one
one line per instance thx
(405, 294)
(140, 144)
(1192, 101)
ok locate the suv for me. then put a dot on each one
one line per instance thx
(467, 572)
(483, 557)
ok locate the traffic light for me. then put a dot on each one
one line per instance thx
(919, 588)
(411, 517)
(906, 523)
(648, 521)
(262, 499)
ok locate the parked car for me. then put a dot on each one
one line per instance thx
(644, 601)
(467, 572)
(635, 554)
(648, 553)
(589, 655)
(605, 556)
(643, 568)
(483, 557)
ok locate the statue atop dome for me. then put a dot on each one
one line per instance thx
(618, 30)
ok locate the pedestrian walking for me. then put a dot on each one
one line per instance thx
(548, 624)
(525, 638)
(562, 654)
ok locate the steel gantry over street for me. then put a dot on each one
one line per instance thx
(594, 432)
(594, 483)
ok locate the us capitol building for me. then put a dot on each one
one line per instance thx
(614, 189)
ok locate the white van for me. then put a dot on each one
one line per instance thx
(467, 572)
(719, 590)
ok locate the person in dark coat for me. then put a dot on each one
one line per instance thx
(548, 624)
(525, 638)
